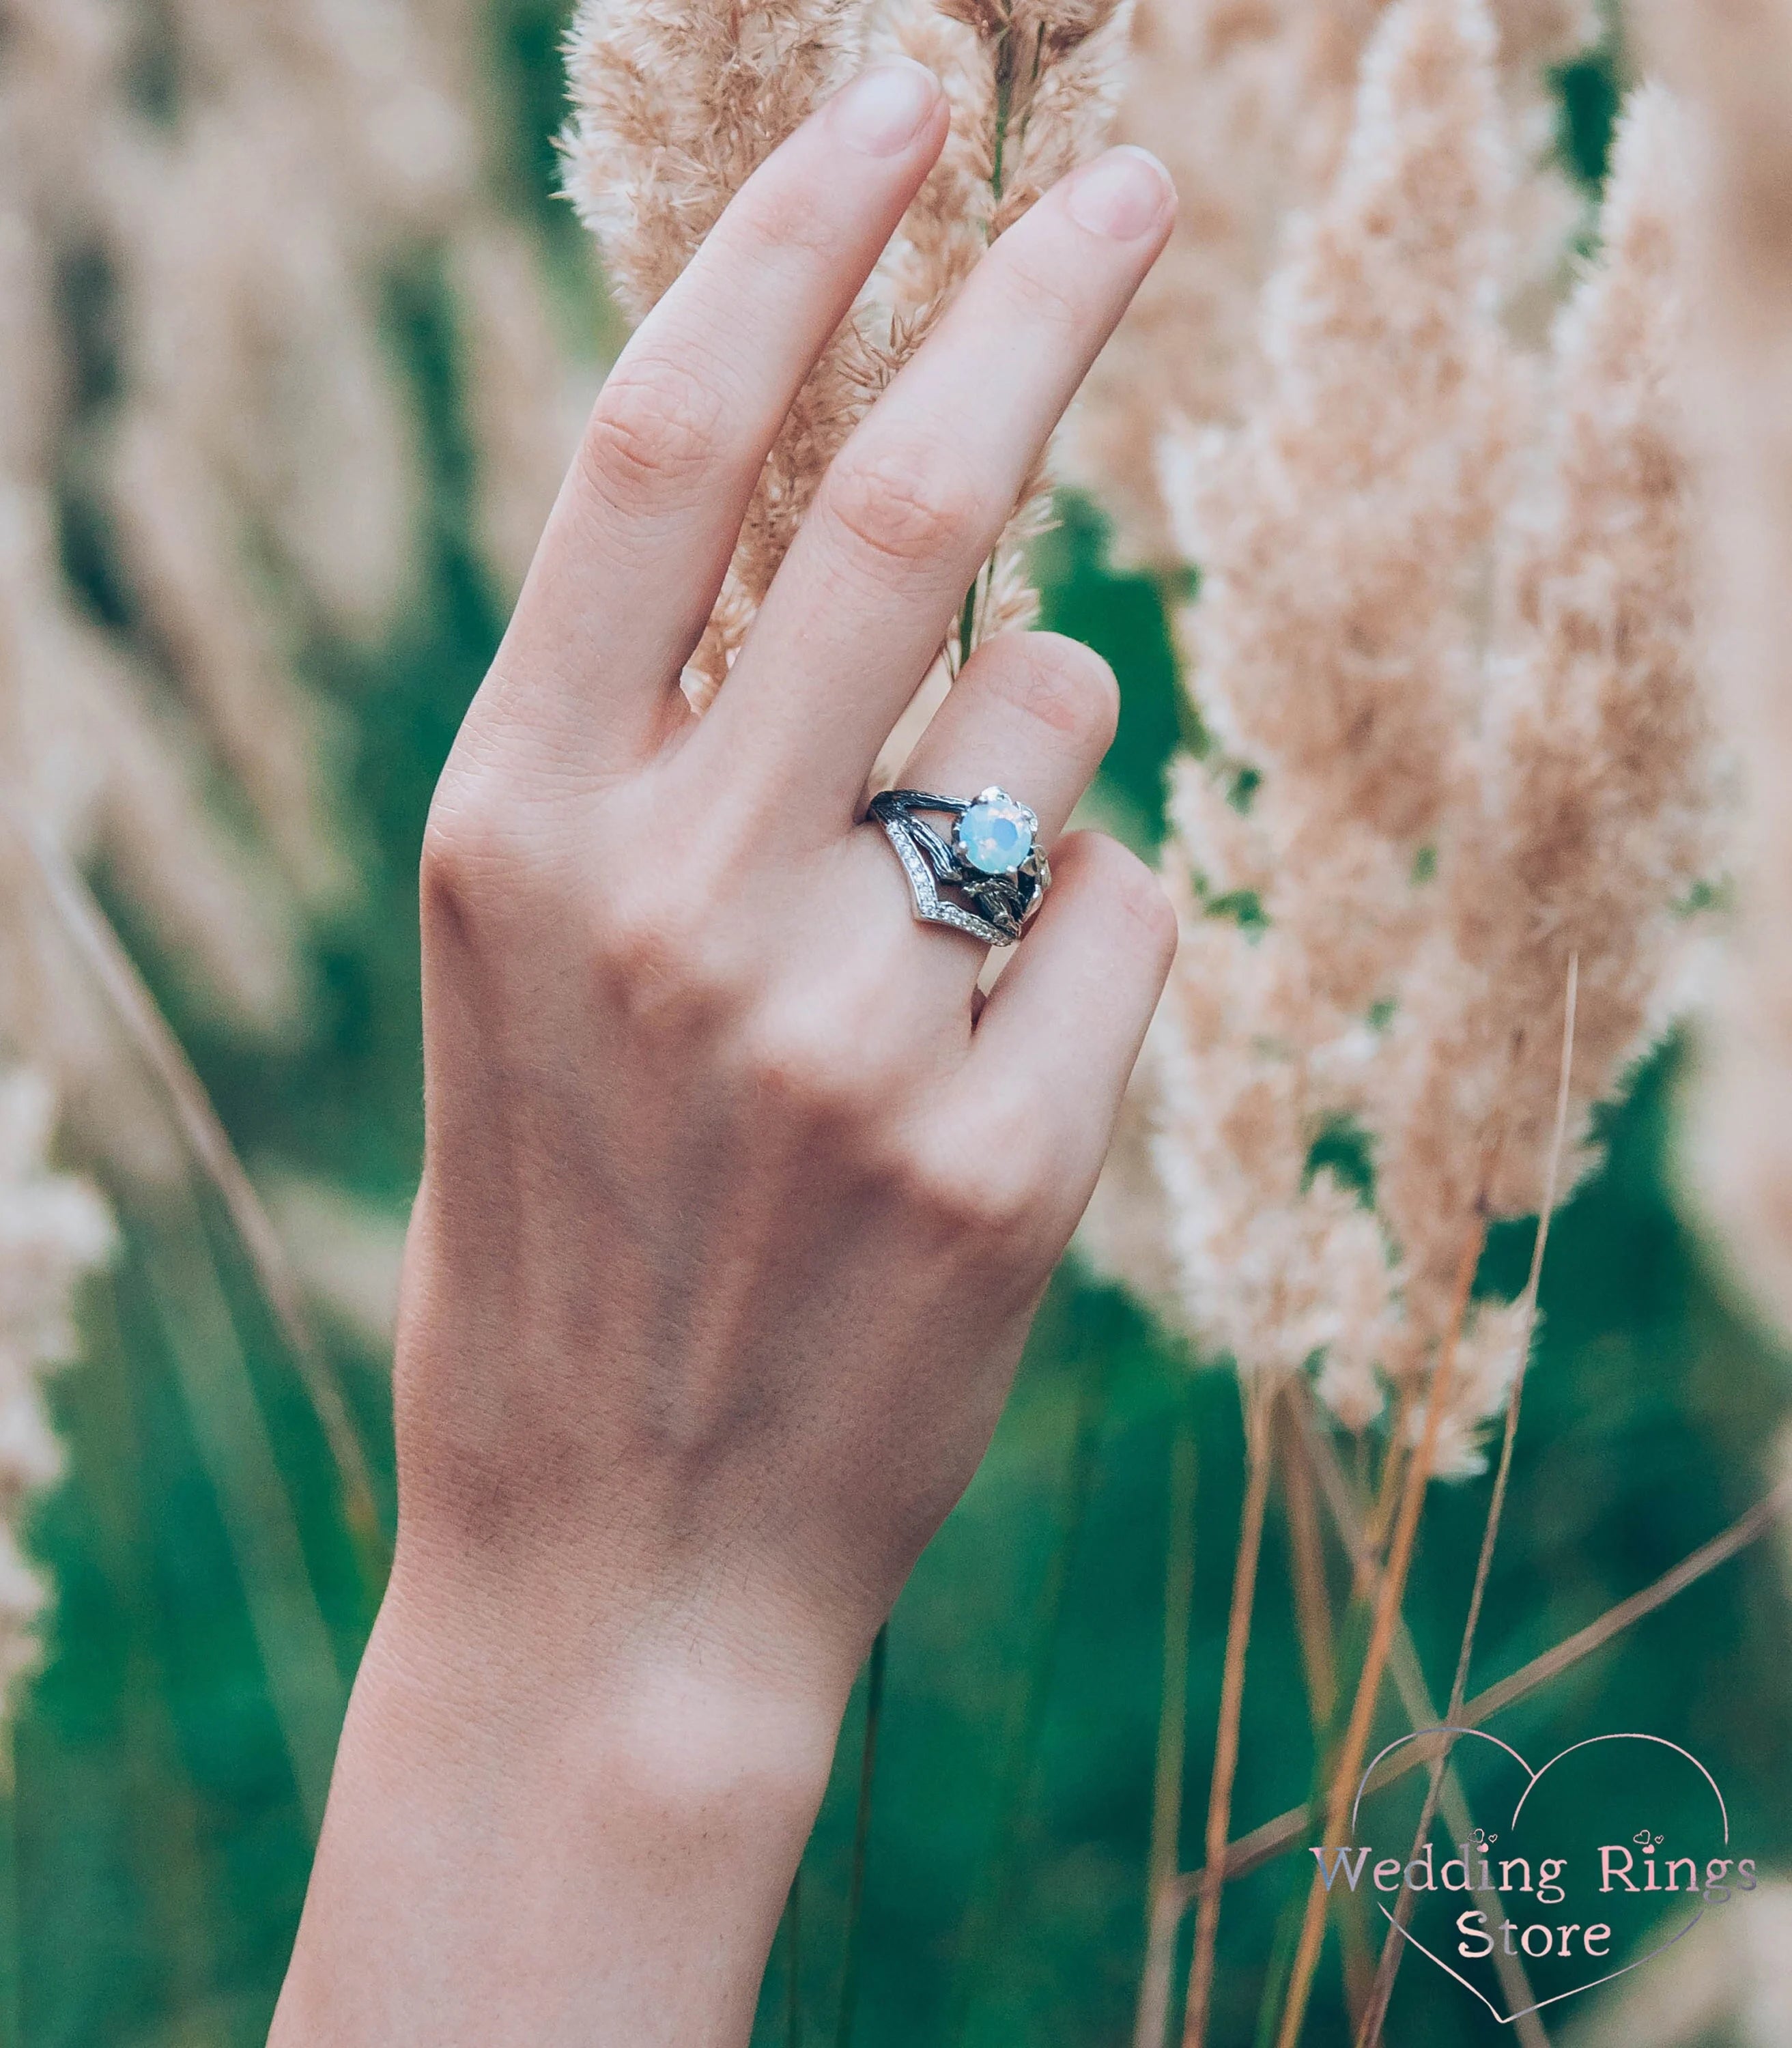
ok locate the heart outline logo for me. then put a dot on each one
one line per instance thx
(1533, 1780)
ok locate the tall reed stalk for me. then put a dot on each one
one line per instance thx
(12, 1942)
(1354, 1746)
(1375, 2017)
(1259, 1458)
(1165, 1899)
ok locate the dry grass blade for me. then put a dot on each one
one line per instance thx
(1313, 1622)
(97, 945)
(1276, 1837)
(1749, 1528)
(1354, 1746)
(1164, 1900)
(1496, 1506)
(1350, 1516)
(1231, 1702)
(12, 1944)
(305, 1685)
(1394, 1947)
(1313, 1603)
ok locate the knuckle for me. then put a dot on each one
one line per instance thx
(777, 220)
(906, 503)
(800, 1066)
(984, 1192)
(656, 428)
(656, 957)
(473, 845)
(1045, 300)
(1065, 684)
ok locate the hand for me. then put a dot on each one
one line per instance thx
(735, 1208)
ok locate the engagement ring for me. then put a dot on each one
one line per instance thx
(992, 863)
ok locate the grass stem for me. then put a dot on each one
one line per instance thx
(793, 1963)
(11, 1936)
(1276, 1837)
(1418, 1473)
(187, 1306)
(1312, 1599)
(1394, 1947)
(862, 1838)
(1164, 1905)
(150, 1037)
(1259, 1460)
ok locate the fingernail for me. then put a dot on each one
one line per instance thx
(1121, 195)
(882, 112)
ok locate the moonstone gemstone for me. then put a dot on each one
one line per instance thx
(995, 835)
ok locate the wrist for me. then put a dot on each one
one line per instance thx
(618, 1702)
(510, 1859)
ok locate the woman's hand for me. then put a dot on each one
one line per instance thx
(736, 1209)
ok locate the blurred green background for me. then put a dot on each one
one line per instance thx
(160, 1835)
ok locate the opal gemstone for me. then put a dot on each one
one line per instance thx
(995, 834)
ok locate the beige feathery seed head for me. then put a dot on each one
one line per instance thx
(947, 227)
(1590, 808)
(187, 551)
(94, 757)
(53, 1231)
(1727, 1981)
(1338, 530)
(1587, 812)
(1336, 667)
(1535, 34)
(1734, 57)
(1032, 86)
(1278, 1266)
(1457, 735)
(523, 441)
(1250, 103)
(1215, 89)
(1123, 1235)
(676, 106)
(97, 760)
(252, 453)
(348, 1252)
(257, 352)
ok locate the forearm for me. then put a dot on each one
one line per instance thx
(507, 1861)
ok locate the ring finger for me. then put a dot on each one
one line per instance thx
(1032, 713)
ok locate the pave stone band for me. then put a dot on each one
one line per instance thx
(993, 861)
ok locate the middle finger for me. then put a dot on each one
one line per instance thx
(917, 498)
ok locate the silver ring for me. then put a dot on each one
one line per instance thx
(992, 862)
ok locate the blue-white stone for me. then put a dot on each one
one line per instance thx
(995, 835)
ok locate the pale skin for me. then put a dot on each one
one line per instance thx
(738, 1202)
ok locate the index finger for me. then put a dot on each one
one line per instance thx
(640, 538)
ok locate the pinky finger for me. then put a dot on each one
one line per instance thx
(1059, 1036)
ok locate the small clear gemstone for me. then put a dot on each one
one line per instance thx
(995, 835)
